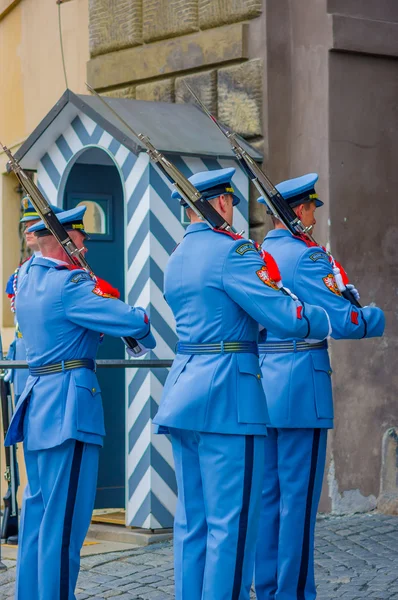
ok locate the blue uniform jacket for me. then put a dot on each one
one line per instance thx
(61, 319)
(298, 385)
(17, 348)
(216, 287)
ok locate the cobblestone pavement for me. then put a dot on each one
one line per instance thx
(356, 558)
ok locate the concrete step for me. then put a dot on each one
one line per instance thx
(127, 535)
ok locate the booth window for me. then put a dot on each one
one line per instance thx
(184, 219)
(94, 218)
(98, 218)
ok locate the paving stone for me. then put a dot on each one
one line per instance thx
(355, 559)
(112, 593)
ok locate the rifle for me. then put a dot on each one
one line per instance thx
(276, 203)
(187, 191)
(75, 255)
(9, 525)
(193, 197)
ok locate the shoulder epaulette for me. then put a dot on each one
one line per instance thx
(234, 236)
(69, 267)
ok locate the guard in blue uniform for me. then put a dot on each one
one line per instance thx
(59, 417)
(298, 388)
(213, 404)
(17, 349)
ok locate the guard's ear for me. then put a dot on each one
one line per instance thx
(299, 210)
(224, 201)
(189, 212)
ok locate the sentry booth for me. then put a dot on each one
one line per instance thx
(82, 154)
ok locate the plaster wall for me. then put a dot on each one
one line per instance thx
(30, 61)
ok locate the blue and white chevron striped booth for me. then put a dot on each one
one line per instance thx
(152, 228)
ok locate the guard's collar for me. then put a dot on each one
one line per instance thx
(194, 227)
(43, 261)
(278, 233)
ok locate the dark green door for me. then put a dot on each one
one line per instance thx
(99, 187)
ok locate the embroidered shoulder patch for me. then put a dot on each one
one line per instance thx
(331, 284)
(81, 277)
(265, 278)
(246, 247)
(319, 256)
(96, 290)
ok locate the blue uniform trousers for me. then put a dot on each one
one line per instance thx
(219, 478)
(56, 513)
(294, 467)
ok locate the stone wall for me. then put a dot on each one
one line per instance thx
(147, 49)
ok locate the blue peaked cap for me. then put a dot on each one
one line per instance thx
(30, 213)
(70, 219)
(212, 184)
(298, 190)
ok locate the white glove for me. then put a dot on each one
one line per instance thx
(339, 279)
(8, 375)
(353, 291)
(290, 293)
(138, 354)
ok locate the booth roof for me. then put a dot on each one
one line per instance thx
(172, 128)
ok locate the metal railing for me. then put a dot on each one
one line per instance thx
(104, 363)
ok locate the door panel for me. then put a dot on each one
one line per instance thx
(100, 188)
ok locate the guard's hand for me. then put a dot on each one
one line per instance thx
(353, 291)
(339, 279)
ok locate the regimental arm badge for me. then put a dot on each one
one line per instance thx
(99, 292)
(105, 290)
(265, 278)
(331, 284)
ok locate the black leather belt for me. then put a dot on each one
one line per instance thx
(65, 365)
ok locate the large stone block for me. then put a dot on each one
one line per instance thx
(156, 91)
(159, 59)
(240, 97)
(365, 36)
(204, 84)
(114, 24)
(219, 12)
(164, 19)
(124, 92)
